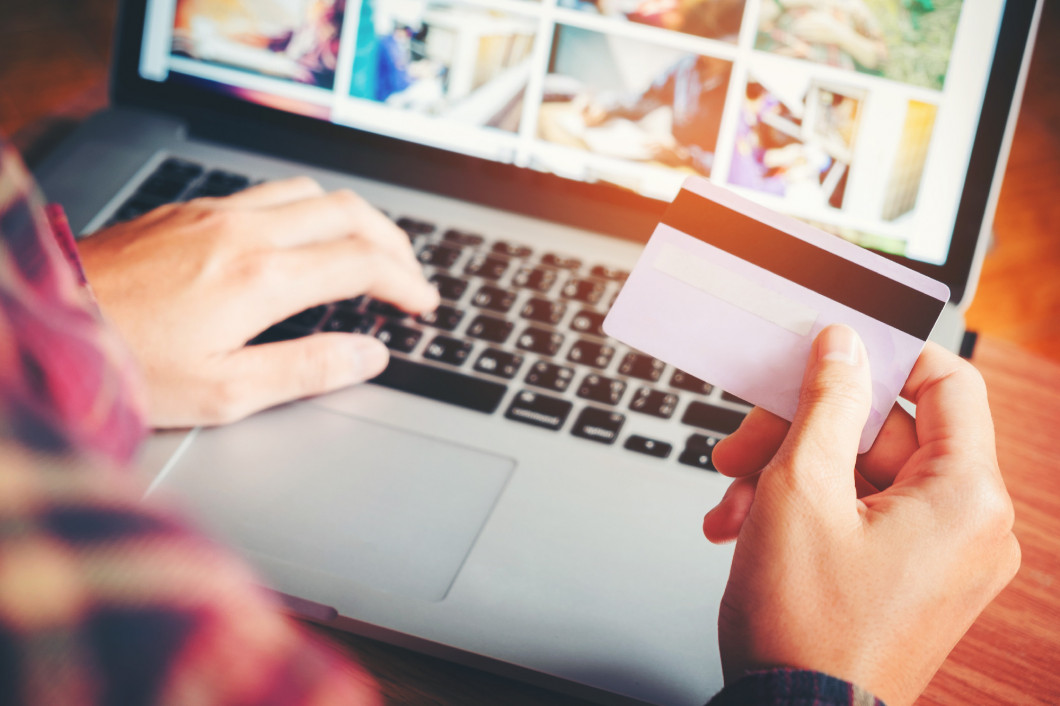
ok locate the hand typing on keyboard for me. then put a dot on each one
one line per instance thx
(189, 284)
(869, 568)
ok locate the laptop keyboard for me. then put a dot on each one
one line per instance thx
(512, 316)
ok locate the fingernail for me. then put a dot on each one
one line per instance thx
(839, 343)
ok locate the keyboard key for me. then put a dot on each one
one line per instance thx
(540, 341)
(683, 381)
(539, 279)
(598, 425)
(550, 376)
(590, 322)
(220, 183)
(654, 402)
(645, 367)
(511, 250)
(444, 317)
(539, 410)
(163, 187)
(494, 298)
(439, 255)
(386, 309)
(587, 291)
(699, 452)
(487, 267)
(343, 319)
(650, 447)
(561, 261)
(398, 337)
(707, 416)
(499, 363)
(415, 227)
(544, 311)
(442, 385)
(451, 288)
(179, 169)
(604, 272)
(701, 442)
(598, 355)
(490, 329)
(463, 237)
(697, 459)
(729, 397)
(601, 389)
(448, 350)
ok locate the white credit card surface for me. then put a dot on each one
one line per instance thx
(734, 293)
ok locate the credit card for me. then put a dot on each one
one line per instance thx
(735, 293)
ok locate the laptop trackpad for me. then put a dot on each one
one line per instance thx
(371, 504)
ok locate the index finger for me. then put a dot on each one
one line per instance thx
(951, 402)
(270, 193)
(333, 216)
(298, 278)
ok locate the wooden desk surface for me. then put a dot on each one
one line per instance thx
(1010, 656)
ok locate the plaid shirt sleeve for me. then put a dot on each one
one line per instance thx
(792, 687)
(106, 598)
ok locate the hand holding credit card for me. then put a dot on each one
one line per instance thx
(735, 294)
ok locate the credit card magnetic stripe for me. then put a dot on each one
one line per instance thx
(891, 302)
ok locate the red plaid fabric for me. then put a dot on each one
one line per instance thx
(105, 598)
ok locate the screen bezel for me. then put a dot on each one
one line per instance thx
(213, 115)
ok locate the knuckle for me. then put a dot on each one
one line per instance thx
(969, 375)
(213, 222)
(961, 373)
(225, 402)
(989, 505)
(787, 466)
(378, 268)
(321, 368)
(256, 267)
(349, 200)
(306, 183)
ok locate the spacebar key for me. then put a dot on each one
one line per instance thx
(441, 385)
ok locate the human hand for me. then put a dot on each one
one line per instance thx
(188, 284)
(869, 568)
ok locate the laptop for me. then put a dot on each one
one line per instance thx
(516, 491)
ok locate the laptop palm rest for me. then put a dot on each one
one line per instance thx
(374, 505)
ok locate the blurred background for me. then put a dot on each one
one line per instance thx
(54, 56)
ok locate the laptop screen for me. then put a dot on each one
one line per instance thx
(858, 116)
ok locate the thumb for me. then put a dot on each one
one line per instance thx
(820, 450)
(273, 373)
